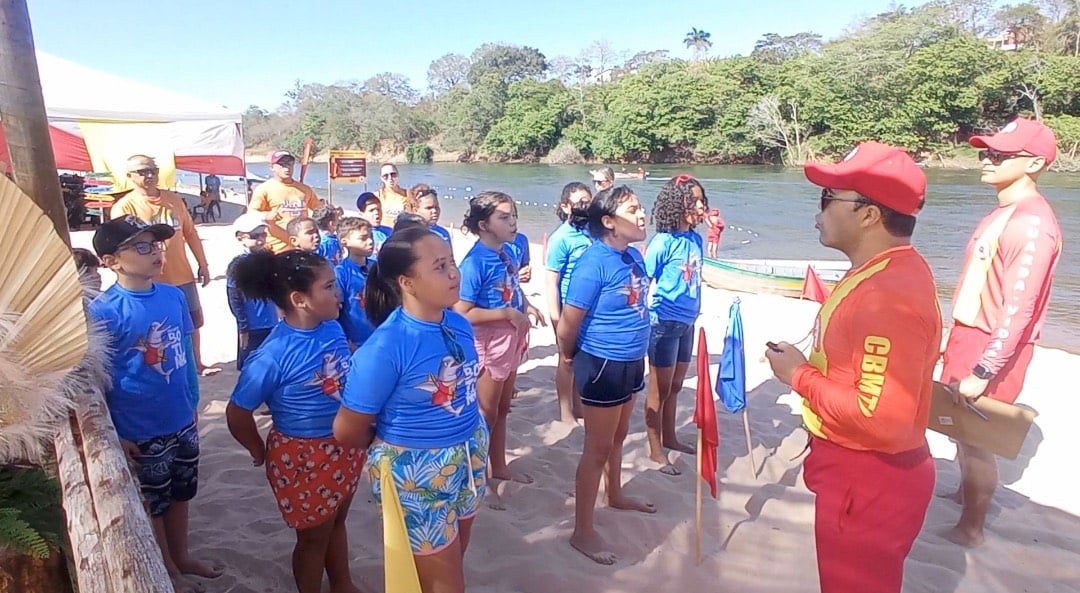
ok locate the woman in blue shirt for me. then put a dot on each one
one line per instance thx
(411, 399)
(604, 333)
(673, 262)
(298, 373)
(564, 248)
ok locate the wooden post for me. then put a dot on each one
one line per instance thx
(22, 114)
(88, 559)
(749, 443)
(697, 512)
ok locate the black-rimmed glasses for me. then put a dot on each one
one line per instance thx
(145, 247)
(630, 261)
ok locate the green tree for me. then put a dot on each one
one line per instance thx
(509, 63)
(447, 72)
(532, 123)
(699, 41)
(775, 49)
(466, 115)
(1024, 22)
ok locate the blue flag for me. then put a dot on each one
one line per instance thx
(731, 381)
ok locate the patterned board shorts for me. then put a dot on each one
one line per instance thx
(437, 487)
(310, 477)
(169, 469)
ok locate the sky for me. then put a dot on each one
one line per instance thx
(239, 53)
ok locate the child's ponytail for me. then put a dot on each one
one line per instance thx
(264, 275)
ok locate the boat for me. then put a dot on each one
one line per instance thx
(784, 277)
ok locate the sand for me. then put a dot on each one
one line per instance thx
(758, 533)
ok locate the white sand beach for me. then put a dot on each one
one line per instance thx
(758, 533)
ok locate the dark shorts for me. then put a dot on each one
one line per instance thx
(255, 339)
(670, 342)
(607, 383)
(964, 349)
(169, 469)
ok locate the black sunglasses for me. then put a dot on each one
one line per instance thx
(452, 346)
(389, 175)
(147, 172)
(827, 196)
(257, 236)
(996, 158)
(427, 192)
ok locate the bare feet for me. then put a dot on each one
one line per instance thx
(594, 548)
(182, 584)
(494, 501)
(675, 445)
(202, 569)
(520, 478)
(963, 537)
(205, 371)
(628, 503)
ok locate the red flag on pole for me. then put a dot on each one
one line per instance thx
(705, 417)
(305, 157)
(813, 288)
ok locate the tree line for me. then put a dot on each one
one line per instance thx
(922, 78)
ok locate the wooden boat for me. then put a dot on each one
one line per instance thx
(769, 276)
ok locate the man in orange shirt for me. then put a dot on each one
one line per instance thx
(394, 198)
(157, 206)
(1001, 300)
(867, 385)
(281, 199)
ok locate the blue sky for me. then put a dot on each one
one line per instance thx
(240, 53)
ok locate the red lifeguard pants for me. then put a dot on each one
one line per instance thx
(870, 507)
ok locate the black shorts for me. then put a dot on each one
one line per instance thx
(169, 469)
(607, 383)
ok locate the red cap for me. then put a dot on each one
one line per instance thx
(1021, 135)
(883, 173)
(277, 155)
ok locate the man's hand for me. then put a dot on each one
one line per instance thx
(784, 360)
(203, 276)
(970, 388)
(131, 451)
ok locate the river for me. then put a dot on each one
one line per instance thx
(769, 212)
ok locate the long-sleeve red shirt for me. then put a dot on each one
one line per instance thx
(870, 377)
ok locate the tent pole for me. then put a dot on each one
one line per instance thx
(22, 114)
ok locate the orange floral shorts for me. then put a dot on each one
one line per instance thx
(310, 477)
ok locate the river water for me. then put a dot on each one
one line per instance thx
(769, 213)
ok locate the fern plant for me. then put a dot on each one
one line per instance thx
(31, 519)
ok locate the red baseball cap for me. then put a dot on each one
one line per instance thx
(1021, 135)
(277, 155)
(883, 173)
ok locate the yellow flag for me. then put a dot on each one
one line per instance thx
(398, 564)
(110, 144)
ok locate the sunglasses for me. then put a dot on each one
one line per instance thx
(511, 269)
(683, 179)
(996, 158)
(827, 196)
(629, 260)
(389, 175)
(452, 346)
(147, 172)
(427, 192)
(145, 247)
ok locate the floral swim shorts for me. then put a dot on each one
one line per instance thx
(437, 487)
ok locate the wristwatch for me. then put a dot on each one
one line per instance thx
(982, 372)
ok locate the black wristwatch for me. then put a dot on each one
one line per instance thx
(982, 372)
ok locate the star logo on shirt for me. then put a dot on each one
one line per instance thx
(635, 290)
(328, 379)
(443, 387)
(154, 347)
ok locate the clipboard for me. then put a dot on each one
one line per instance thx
(997, 426)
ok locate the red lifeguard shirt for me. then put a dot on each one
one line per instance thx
(1004, 288)
(876, 341)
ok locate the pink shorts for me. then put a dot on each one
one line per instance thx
(500, 348)
(962, 352)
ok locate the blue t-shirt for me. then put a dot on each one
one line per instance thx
(250, 314)
(611, 286)
(379, 234)
(442, 232)
(565, 246)
(490, 281)
(521, 243)
(149, 395)
(298, 374)
(351, 279)
(406, 376)
(673, 260)
(329, 247)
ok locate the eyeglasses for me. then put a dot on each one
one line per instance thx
(145, 247)
(389, 175)
(996, 158)
(827, 196)
(147, 172)
(452, 346)
(630, 261)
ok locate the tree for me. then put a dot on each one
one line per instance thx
(447, 72)
(532, 123)
(776, 124)
(466, 115)
(644, 58)
(775, 49)
(393, 85)
(509, 63)
(600, 57)
(698, 41)
(1023, 22)
(970, 16)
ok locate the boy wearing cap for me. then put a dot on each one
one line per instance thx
(866, 387)
(254, 317)
(281, 199)
(1001, 299)
(148, 323)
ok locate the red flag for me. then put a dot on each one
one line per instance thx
(813, 288)
(305, 157)
(705, 416)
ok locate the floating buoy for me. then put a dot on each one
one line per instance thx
(467, 188)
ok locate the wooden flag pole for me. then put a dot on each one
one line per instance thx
(699, 480)
(749, 445)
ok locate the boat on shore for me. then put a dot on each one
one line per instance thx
(784, 277)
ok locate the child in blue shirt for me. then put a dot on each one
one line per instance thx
(370, 208)
(303, 234)
(147, 323)
(298, 372)
(254, 317)
(427, 206)
(326, 218)
(492, 301)
(411, 395)
(564, 248)
(352, 274)
(673, 262)
(604, 332)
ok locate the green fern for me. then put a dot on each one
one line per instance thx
(31, 520)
